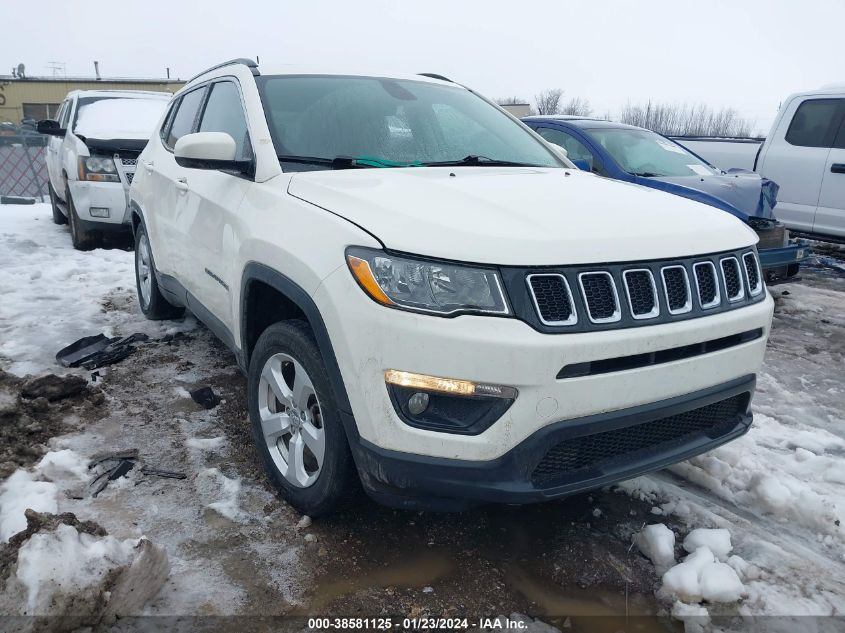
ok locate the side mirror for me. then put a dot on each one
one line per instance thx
(209, 150)
(582, 163)
(49, 127)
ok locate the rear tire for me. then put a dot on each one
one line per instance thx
(295, 422)
(83, 239)
(58, 216)
(153, 304)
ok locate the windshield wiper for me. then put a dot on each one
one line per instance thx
(478, 161)
(345, 162)
(645, 174)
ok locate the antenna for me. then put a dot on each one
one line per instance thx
(58, 67)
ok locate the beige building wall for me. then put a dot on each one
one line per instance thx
(39, 98)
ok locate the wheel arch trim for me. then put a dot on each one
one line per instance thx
(255, 272)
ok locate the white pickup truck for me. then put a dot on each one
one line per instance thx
(804, 153)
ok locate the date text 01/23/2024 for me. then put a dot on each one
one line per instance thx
(414, 624)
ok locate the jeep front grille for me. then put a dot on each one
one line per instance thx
(634, 294)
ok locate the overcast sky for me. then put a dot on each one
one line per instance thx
(745, 54)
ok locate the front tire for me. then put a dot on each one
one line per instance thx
(153, 304)
(295, 422)
(58, 216)
(83, 239)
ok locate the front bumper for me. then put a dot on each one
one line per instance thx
(622, 444)
(103, 195)
(369, 339)
(795, 253)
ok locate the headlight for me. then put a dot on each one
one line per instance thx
(98, 168)
(427, 286)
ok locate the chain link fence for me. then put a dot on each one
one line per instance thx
(23, 170)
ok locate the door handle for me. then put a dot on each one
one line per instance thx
(838, 168)
(182, 184)
(148, 165)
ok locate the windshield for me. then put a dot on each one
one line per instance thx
(117, 117)
(645, 153)
(389, 123)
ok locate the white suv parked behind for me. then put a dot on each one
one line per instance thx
(428, 300)
(95, 141)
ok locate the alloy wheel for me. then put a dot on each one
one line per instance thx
(291, 420)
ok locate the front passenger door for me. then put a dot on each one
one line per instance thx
(209, 224)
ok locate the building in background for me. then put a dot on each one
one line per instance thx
(39, 97)
(519, 110)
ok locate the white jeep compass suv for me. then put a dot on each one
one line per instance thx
(429, 300)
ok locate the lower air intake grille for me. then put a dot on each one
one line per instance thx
(600, 296)
(129, 176)
(572, 457)
(552, 298)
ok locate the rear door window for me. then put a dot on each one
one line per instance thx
(185, 117)
(815, 123)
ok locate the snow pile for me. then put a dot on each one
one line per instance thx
(702, 577)
(657, 542)
(67, 562)
(717, 541)
(24, 490)
(213, 483)
(134, 118)
(19, 492)
(58, 464)
(205, 444)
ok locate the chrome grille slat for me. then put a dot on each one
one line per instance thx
(552, 299)
(732, 278)
(752, 274)
(676, 289)
(599, 292)
(706, 284)
(642, 293)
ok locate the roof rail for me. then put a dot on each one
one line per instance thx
(436, 76)
(249, 63)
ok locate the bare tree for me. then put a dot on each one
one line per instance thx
(577, 106)
(686, 120)
(548, 101)
(511, 101)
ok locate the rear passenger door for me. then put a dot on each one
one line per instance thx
(208, 225)
(798, 155)
(830, 215)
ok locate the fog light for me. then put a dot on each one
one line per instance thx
(99, 212)
(418, 403)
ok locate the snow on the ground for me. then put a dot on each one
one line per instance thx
(777, 493)
(36, 489)
(68, 562)
(69, 294)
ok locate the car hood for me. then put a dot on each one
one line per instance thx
(519, 216)
(743, 194)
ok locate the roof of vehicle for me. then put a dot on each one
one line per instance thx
(835, 89)
(126, 94)
(297, 69)
(582, 122)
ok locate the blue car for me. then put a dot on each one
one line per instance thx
(637, 155)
